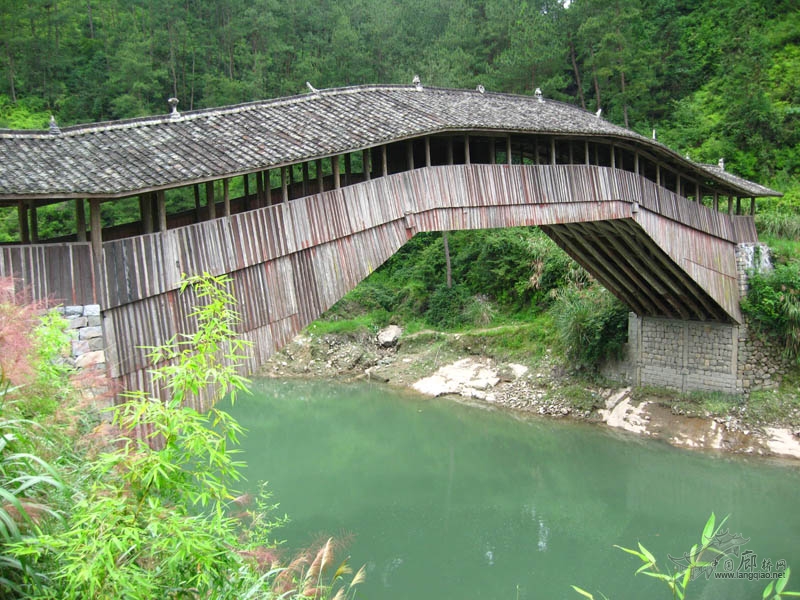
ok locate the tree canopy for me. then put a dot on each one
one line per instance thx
(714, 78)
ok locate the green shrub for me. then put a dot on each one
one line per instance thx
(446, 306)
(591, 325)
(773, 303)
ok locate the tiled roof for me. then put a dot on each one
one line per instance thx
(122, 158)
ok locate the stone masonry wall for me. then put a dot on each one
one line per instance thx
(761, 361)
(683, 355)
(690, 356)
(88, 345)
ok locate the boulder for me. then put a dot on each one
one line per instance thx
(388, 336)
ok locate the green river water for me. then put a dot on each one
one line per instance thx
(446, 501)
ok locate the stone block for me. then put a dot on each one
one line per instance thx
(79, 347)
(91, 310)
(77, 322)
(88, 333)
(96, 344)
(90, 359)
(94, 321)
(73, 311)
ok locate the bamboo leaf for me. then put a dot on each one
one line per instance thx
(634, 552)
(708, 530)
(582, 592)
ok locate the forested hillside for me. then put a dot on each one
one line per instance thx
(713, 78)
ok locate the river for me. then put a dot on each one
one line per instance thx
(443, 500)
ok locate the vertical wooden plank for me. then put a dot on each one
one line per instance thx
(284, 186)
(508, 150)
(466, 149)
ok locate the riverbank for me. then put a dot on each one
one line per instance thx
(469, 367)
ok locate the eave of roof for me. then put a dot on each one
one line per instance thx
(123, 158)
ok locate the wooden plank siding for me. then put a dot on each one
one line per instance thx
(291, 261)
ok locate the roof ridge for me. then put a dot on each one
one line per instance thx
(132, 122)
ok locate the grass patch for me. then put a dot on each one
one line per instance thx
(773, 406)
(364, 323)
(580, 398)
(698, 403)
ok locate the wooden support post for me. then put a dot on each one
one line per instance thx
(697, 191)
(348, 169)
(337, 182)
(284, 185)
(678, 184)
(427, 151)
(730, 205)
(34, 223)
(226, 197)
(586, 151)
(752, 205)
(410, 155)
(716, 200)
(210, 203)
(145, 213)
(305, 179)
(553, 151)
(509, 160)
(366, 164)
(738, 206)
(96, 229)
(597, 154)
(246, 182)
(290, 191)
(259, 189)
(161, 203)
(450, 157)
(613, 156)
(658, 174)
(493, 150)
(197, 214)
(536, 151)
(636, 162)
(384, 161)
(466, 149)
(320, 177)
(80, 220)
(571, 158)
(22, 216)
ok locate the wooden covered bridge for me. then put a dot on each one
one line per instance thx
(300, 198)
